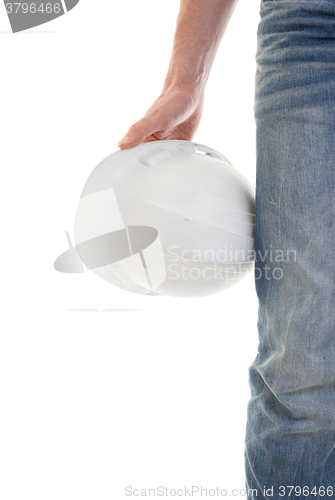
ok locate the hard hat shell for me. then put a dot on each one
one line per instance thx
(169, 217)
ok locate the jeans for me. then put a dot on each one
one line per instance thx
(290, 433)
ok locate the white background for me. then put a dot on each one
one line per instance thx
(90, 401)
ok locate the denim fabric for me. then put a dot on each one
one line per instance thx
(290, 434)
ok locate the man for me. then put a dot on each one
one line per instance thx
(290, 435)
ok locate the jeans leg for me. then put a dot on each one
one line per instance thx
(290, 435)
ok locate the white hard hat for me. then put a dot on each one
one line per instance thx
(167, 217)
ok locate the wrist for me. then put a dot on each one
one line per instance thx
(195, 89)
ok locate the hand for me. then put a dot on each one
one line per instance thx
(175, 115)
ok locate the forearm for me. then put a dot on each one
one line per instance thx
(176, 113)
(199, 30)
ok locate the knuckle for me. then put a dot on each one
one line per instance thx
(137, 127)
(159, 135)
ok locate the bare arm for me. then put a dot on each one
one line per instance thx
(177, 112)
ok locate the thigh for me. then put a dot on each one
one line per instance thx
(295, 194)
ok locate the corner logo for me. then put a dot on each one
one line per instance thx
(130, 257)
(29, 14)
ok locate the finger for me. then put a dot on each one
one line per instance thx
(138, 132)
